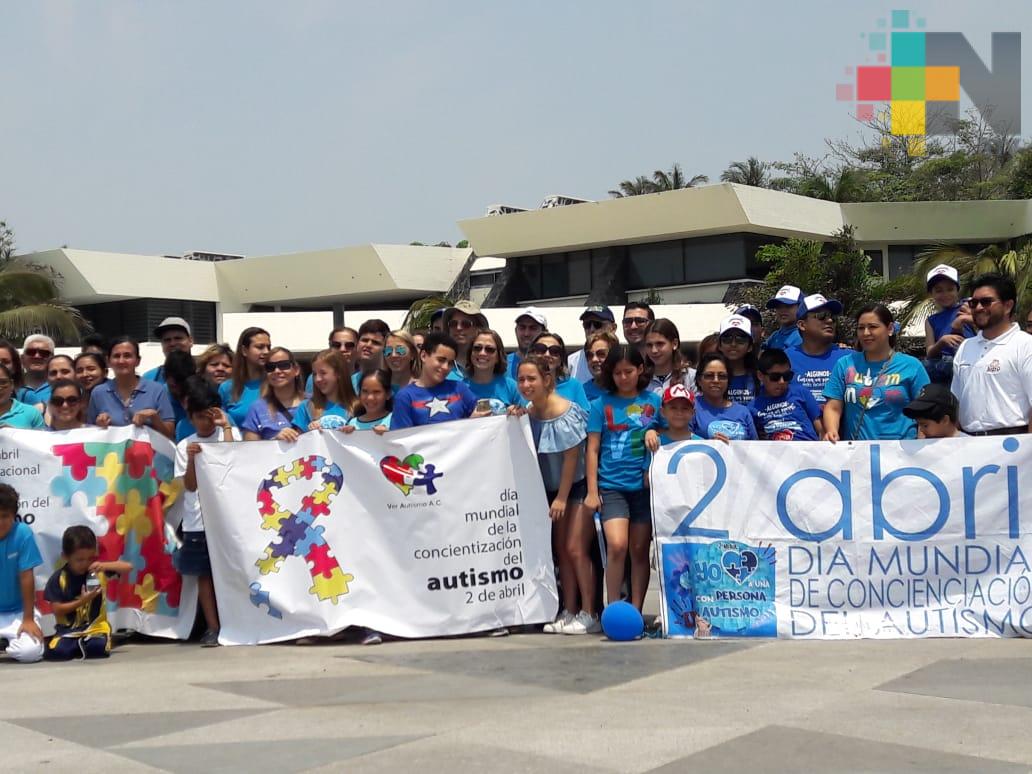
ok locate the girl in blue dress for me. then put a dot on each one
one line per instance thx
(551, 348)
(241, 391)
(271, 416)
(333, 400)
(486, 373)
(559, 427)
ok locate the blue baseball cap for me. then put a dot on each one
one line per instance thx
(788, 295)
(601, 312)
(816, 301)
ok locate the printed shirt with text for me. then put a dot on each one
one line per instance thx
(622, 423)
(879, 396)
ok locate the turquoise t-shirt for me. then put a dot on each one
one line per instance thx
(622, 423)
(18, 553)
(501, 391)
(303, 415)
(360, 424)
(22, 416)
(573, 391)
(859, 383)
(592, 391)
(237, 409)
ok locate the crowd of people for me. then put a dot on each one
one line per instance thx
(596, 414)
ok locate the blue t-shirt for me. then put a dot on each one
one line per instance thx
(104, 399)
(742, 389)
(501, 391)
(22, 416)
(360, 424)
(303, 414)
(813, 371)
(262, 421)
(512, 369)
(18, 553)
(573, 391)
(33, 395)
(783, 338)
(415, 405)
(237, 409)
(156, 374)
(858, 383)
(788, 418)
(592, 391)
(942, 323)
(735, 421)
(621, 423)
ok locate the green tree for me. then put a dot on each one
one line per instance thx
(752, 171)
(675, 179)
(844, 185)
(420, 311)
(838, 269)
(640, 185)
(1019, 184)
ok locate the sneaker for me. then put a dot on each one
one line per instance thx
(557, 626)
(372, 638)
(210, 639)
(583, 623)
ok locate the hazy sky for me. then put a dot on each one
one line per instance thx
(264, 127)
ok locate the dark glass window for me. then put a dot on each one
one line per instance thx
(580, 272)
(901, 260)
(554, 278)
(709, 259)
(532, 275)
(877, 265)
(655, 265)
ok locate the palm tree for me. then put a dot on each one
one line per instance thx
(674, 180)
(752, 171)
(847, 185)
(420, 311)
(640, 185)
(30, 303)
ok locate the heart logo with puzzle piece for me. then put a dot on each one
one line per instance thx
(401, 473)
(739, 565)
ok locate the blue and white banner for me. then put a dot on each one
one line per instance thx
(425, 532)
(868, 539)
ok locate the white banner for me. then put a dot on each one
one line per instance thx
(424, 532)
(119, 482)
(868, 539)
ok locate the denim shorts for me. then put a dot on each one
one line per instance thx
(192, 557)
(623, 504)
(578, 492)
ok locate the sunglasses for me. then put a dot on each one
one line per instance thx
(822, 315)
(35, 352)
(461, 324)
(540, 349)
(734, 338)
(278, 365)
(710, 376)
(594, 325)
(598, 354)
(974, 303)
(57, 400)
(781, 376)
(348, 345)
(400, 350)
(487, 348)
(630, 322)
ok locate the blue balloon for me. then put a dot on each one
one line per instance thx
(621, 621)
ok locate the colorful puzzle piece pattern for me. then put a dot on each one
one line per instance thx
(131, 486)
(296, 533)
(260, 596)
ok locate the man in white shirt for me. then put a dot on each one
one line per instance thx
(992, 372)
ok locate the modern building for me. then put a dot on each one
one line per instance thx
(691, 245)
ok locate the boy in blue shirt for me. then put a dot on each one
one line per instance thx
(783, 410)
(785, 305)
(19, 555)
(948, 326)
(433, 397)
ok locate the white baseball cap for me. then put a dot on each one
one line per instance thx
(736, 323)
(942, 270)
(534, 314)
(787, 294)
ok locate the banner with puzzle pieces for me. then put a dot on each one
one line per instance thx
(120, 483)
(426, 532)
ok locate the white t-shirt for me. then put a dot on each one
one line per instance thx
(577, 366)
(192, 519)
(992, 379)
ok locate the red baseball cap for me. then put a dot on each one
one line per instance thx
(676, 392)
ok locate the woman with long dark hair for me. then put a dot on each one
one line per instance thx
(244, 389)
(271, 416)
